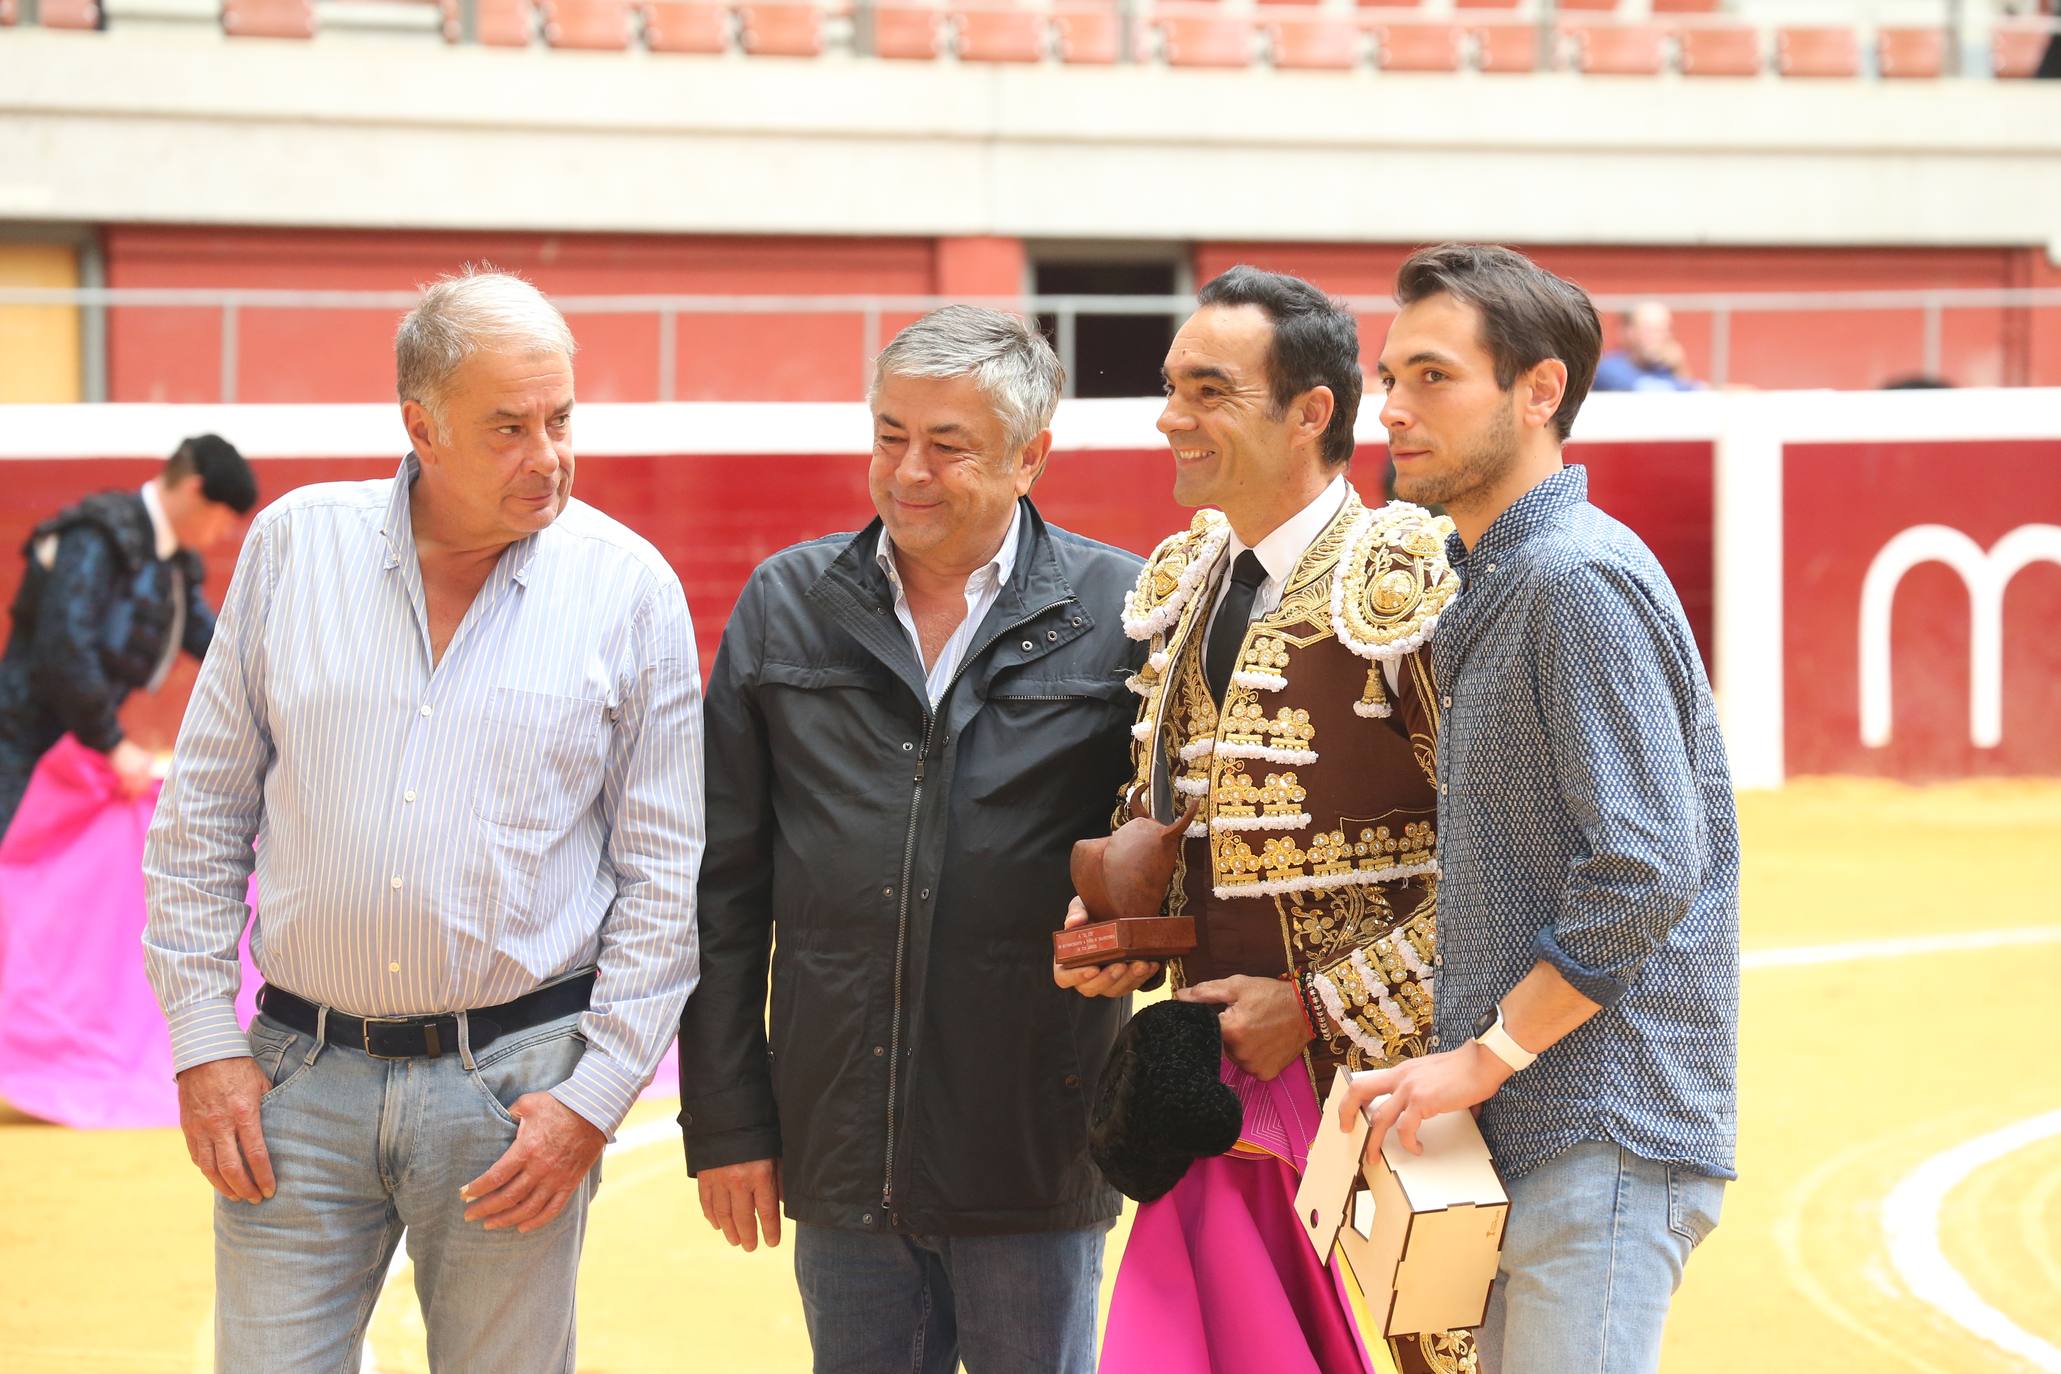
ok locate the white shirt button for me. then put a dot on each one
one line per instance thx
(1443, 791)
(1446, 702)
(425, 709)
(396, 882)
(408, 795)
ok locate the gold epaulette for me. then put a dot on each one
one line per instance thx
(1393, 581)
(1180, 564)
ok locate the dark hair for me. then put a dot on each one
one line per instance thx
(1527, 314)
(225, 478)
(1316, 343)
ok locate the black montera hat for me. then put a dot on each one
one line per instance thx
(1162, 1103)
(225, 476)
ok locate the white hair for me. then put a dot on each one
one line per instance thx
(460, 315)
(1006, 357)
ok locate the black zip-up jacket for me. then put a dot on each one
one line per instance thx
(89, 629)
(904, 872)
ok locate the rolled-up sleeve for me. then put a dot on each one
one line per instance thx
(652, 804)
(197, 860)
(1617, 691)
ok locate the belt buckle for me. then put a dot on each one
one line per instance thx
(366, 1024)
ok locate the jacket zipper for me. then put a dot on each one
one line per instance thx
(894, 1035)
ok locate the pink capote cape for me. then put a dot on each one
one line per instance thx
(82, 1041)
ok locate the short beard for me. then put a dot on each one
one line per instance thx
(1487, 462)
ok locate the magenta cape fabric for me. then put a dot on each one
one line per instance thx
(81, 1039)
(1218, 1277)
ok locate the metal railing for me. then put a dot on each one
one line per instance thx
(1065, 312)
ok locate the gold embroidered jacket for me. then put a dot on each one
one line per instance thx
(1314, 844)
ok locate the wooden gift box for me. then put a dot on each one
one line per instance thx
(1422, 1234)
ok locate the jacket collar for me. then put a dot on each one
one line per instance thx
(856, 590)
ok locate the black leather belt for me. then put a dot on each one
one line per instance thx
(427, 1037)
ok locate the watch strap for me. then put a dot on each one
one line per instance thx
(1496, 1040)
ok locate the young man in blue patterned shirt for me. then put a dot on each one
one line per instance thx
(1588, 900)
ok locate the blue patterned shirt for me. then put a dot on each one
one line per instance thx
(437, 837)
(1586, 819)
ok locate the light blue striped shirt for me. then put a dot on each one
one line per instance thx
(432, 839)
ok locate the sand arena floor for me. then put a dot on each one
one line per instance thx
(1901, 1146)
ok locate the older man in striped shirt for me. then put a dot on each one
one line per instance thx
(458, 713)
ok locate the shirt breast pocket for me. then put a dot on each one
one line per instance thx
(544, 759)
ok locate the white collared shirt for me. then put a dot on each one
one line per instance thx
(167, 545)
(983, 588)
(1281, 550)
(160, 523)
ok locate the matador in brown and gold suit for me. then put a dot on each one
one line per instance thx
(1312, 854)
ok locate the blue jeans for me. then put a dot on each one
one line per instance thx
(1594, 1251)
(366, 1150)
(1022, 1304)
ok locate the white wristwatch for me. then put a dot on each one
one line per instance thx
(1496, 1040)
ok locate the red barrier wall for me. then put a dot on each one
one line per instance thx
(714, 516)
(1845, 503)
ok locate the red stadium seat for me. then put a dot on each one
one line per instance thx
(595, 25)
(71, 14)
(1911, 52)
(268, 18)
(686, 26)
(2013, 51)
(909, 32)
(1817, 51)
(1417, 47)
(781, 30)
(1000, 35)
(501, 23)
(1507, 48)
(56, 14)
(1203, 38)
(1687, 6)
(1720, 52)
(1318, 43)
(1591, 6)
(1614, 50)
(1484, 4)
(1087, 34)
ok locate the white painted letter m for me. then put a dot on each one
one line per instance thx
(1986, 575)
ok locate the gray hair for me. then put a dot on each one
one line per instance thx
(1005, 355)
(460, 315)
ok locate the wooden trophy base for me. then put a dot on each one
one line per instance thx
(1125, 938)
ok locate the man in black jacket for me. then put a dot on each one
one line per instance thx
(908, 729)
(111, 594)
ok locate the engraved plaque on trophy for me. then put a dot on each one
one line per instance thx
(1122, 880)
